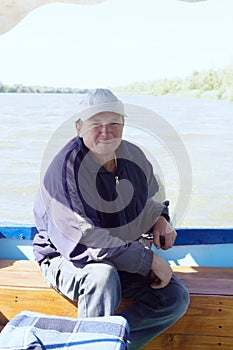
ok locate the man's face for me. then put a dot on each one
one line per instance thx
(102, 133)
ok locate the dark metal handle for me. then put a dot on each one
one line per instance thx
(162, 240)
(149, 236)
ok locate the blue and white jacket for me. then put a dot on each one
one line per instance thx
(86, 213)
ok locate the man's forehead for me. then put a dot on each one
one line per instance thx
(103, 116)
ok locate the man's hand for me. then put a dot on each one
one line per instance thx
(161, 272)
(163, 228)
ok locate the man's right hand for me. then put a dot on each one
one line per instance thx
(161, 272)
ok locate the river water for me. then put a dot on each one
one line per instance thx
(194, 160)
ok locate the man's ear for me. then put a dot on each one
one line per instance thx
(78, 125)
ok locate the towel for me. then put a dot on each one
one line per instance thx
(35, 331)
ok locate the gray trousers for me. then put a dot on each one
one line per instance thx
(98, 287)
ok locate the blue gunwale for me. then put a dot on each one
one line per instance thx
(185, 236)
(17, 231)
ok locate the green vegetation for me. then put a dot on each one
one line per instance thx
(208, 84)
(19, 88)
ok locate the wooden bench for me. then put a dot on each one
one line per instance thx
(207, 324)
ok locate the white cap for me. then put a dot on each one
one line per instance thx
(97, 101)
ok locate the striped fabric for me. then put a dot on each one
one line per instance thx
(34, 331)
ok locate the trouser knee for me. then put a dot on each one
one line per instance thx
(101, 281)
(182, 300)
(101, 276)
(99, 290)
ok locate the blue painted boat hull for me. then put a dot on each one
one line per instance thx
(193, 246)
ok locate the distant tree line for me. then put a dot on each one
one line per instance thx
(19, 88)
(208, 84)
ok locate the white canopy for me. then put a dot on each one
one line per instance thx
(11, 12)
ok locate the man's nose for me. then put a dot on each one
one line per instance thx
(105, 129)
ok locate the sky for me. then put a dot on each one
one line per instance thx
(116, 42)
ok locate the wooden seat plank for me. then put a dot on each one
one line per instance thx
(220, 280)
(209, 315)
(33, 280)
(13, 273)
(169, 341)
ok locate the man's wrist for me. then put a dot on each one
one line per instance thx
(165, 212)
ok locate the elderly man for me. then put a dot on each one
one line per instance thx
(95, 202)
